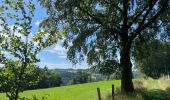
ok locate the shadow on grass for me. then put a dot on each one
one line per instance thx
(154, 94)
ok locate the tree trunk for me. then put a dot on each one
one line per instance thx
(17, 92)
(126, 67)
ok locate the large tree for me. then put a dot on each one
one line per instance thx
(99, 29)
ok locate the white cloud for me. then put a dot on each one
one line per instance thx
(1, 65)
(1, 24)
(5, 52)
(59, 50)
(37, 23)
(17, 33)
(1, 28)
(62, 66)
(54, 66)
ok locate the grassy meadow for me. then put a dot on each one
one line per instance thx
(73, 92)
(146, 89)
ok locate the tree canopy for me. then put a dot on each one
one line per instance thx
(99, 29)
(18, 50)
(155, 61)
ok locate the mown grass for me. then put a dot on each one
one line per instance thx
(145, 89)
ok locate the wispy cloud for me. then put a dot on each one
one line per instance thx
(59, 50)
(14, 29)
(54, 66)
(5, 52)
(61, 66)
(37, 23)
(17, 33)
(1, 65)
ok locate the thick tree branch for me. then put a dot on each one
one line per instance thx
(153, 19)
(137, 16)
(93, 17)
(125, 19)
(146, 14)
(150, 5)
(120, 10)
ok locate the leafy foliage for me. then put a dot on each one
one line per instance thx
(95, 27)
(9, 78)
(100, 28)
(154, 61)
(108, 67)
(18, 50)
(81, 77)
(49, 78)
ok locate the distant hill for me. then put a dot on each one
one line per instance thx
(67, 75)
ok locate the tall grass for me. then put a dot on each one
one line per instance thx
(145, 89)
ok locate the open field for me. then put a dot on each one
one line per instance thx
(146, 89)
(74, 92)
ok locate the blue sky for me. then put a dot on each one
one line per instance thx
(53, 56)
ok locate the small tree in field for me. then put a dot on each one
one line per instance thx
(9, 78)
(98, 28)
(18, 49)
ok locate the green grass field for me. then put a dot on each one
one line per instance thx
(73, 92)
(145, 90)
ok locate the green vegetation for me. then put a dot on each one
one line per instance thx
(146, 89)
(73, 92)
(99, 29)
(47, 78)
(156, 60)
(81, 77)
(15, 40)
(21, 45)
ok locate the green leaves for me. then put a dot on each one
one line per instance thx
(18, 42)
(155, 60)
(102, 24)
(1, 9)
(10, 76)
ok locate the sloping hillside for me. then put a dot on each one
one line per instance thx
(73, 92)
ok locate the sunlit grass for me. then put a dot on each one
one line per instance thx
(146, 89)
(73, 92)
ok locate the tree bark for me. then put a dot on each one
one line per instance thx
(126, 68)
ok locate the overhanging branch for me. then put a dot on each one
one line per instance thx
(137, 16)
(153, 19)
(115, 5)
(92, 16)
(146, 14)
